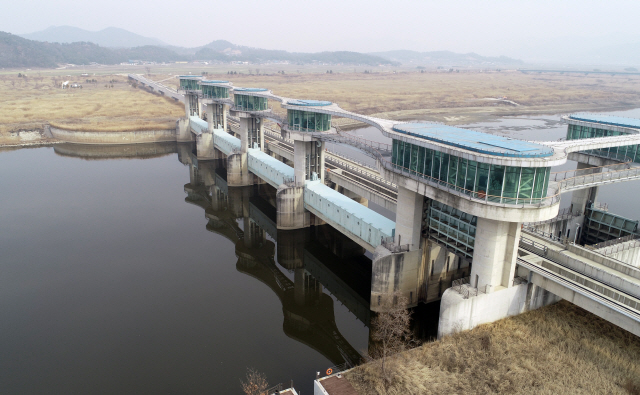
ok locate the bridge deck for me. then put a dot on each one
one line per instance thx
(360, 223)
(613, 286)
(269, 168)
(225, 142)
(198, 126)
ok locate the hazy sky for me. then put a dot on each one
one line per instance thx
(486, 27)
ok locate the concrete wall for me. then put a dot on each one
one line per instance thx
(603, 260)
(126, 137)
(459, 314)
(627, 252)
(394, 274)
(494, 253)
(291, 213)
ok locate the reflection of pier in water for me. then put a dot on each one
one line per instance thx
(316, 256)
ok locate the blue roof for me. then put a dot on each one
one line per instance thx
(213, 82)
(474, 141)
(249, 90)
(607, 119)
(190, 77)
(310, 103)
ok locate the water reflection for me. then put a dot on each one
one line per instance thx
(247, 217)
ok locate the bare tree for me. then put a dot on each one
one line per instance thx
(391, 332)
(148, 70)
(256, 383)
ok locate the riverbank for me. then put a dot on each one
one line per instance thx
(103, 103)
(555, 349)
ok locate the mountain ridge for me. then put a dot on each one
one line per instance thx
(112, 37)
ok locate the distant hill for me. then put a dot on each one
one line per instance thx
(16, 51)
(222, 50)
(443, 58)
(109, 37)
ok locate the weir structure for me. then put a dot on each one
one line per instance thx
(462, 200)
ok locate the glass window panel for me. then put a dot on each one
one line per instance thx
(462, 169)
(482, 180)
(444, 167)
(437, 157)
(471, 176)
(526, 184)
(453, 171)
(496, 178)
(511, 178)
(394, 152)
(407, 154)
(414, 158)
(421, 155)
(428, 162)
(539, 182)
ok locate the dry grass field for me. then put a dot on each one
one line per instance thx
(452, 97)
(559, 349)
(110, 104)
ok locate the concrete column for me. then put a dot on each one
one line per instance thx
(291, 213)
(299, 161)
(238, 170)
(244, 134)
(409, 218)
(494, 254)
(183, 130)
(580, 199)
(394, 275)
(308, 157)
(204, 146)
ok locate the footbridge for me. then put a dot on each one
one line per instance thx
(603, 286)
(455, 190)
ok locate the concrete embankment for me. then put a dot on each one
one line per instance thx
(123, 137)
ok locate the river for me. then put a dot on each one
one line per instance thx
(122, 272)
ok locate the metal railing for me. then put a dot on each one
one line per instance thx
(563, 214)
(547, 235)
(390, 244)
(533, 246)
(614, 241)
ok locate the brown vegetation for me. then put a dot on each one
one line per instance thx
(413, 95)
(552, 350)
(109, 104)
(256, 383)
(391, 333)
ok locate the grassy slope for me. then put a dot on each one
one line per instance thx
(556, 349)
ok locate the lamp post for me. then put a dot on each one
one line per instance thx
(576, 235)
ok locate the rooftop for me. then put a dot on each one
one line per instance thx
(250, 90)
(309, 103)
(607, 119)
(213, 82)
(190, 77)
(474, 141)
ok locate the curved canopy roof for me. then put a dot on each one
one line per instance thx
(474, 141)
(607, 119)
(249, 90)
(309, 103)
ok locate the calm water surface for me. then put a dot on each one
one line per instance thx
(112, 282)
(135, 273)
